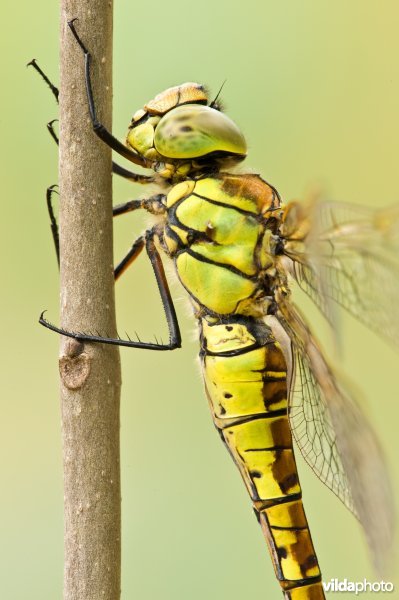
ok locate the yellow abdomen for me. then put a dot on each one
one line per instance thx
(245, 378)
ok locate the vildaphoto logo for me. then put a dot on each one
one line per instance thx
(358, 587)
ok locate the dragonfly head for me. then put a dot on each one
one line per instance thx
(178, 133)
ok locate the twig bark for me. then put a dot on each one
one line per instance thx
(90, 373)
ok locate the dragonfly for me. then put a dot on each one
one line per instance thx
(237, 250)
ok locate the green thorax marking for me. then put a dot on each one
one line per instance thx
(219, 231)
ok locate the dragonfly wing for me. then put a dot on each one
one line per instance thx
(349, 255)
(336, 439)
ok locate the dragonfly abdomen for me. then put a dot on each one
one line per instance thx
(245, 377)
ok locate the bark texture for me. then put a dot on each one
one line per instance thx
(90, 373)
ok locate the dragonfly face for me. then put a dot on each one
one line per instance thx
(181, 135)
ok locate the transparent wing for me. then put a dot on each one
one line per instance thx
(314, 432)
(336, 439)
(348, 255)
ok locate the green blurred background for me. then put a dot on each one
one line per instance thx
(315, 87)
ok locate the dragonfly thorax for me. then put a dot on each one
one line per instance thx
(221, 233)
(180, 135)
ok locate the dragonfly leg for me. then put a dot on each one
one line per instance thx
(130, 257)
(153, 204)
(53, 222)
(98, 128)
(128, 174)
(55, 91)
(148, 240)
(116, 169)
(117, 210)
(51, 130)
(164, 291)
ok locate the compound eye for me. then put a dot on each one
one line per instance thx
(193, 131)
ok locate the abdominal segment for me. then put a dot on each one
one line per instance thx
(245, 378)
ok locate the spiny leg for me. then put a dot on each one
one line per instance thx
(120, 209)
(130, 257)
(117, 169)
(98, 128)
(163, 287)
(55, 91)
(154, 205)
(130, 175)
(166, 298)
(53, 222)
(50, 129)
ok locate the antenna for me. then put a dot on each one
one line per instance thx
(213, 103)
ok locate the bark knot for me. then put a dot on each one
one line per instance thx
(74, 365)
